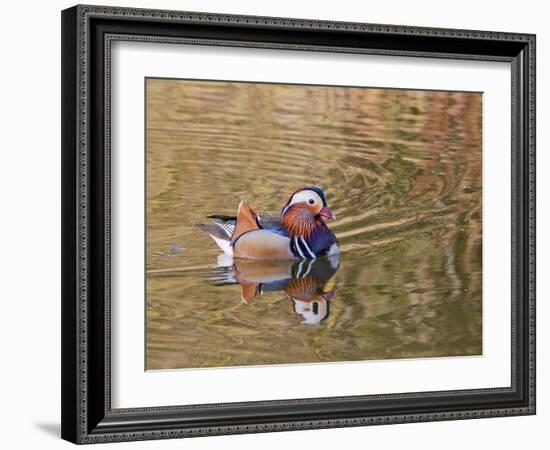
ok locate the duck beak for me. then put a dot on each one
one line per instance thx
(325, 212)
(328, 295)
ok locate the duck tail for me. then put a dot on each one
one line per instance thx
(225, 230)
(221, 231)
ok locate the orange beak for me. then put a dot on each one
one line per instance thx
(325, 212)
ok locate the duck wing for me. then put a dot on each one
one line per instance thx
(246, 221)
(272, 223)
(225, 229)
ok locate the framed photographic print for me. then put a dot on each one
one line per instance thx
(280, 224)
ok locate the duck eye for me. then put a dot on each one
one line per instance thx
(311, 201)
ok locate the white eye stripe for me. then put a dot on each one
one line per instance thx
(305, 197)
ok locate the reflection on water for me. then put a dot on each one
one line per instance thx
(402, 172)
(305, 283)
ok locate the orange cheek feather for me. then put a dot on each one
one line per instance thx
(299, 220)
(313, 209)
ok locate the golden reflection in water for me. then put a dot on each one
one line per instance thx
(306, 283)
(402, 172)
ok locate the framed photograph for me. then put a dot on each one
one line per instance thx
(280, 224)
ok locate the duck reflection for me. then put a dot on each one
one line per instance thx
(309, 284)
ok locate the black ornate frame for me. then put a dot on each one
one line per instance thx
(87, 34)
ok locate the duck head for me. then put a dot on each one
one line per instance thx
(305, 209)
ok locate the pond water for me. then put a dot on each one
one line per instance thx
(401, 170)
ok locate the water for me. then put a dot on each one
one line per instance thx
(402, 172)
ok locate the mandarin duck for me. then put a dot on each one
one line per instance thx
(299, 232)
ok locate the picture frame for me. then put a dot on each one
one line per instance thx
(87, 35)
